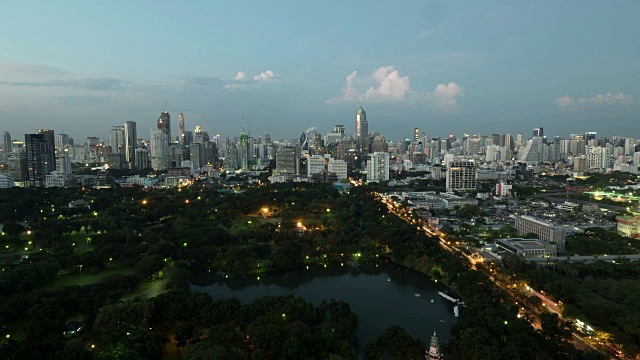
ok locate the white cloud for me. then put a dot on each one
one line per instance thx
(568, 102)
(268, 75)
(444, 96)
(388, 85)
(241, 76)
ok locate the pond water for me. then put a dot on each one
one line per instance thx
(381, 294)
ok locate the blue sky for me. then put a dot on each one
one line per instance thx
(443, 66)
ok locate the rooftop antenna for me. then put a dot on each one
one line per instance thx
(165, 106)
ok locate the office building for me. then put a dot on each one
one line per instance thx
(117, 139)
(315, 165)
(362, 131)
(40, 157)
(55, 179)
(461, 175)
(288, 160)
(8, 144)
(545, 231)
(130, 143)
(338, 167)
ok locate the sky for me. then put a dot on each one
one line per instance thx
(446, 67)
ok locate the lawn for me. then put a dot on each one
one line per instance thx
(85, 279)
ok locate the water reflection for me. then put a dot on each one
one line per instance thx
(380, 294)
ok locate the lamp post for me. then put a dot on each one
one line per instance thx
(80, 266)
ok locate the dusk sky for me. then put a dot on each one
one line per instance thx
(443, 66)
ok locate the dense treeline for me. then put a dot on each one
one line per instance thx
(604, 294)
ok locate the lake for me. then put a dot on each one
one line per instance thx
(381, 294)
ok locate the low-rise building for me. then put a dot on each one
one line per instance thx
(628, 226)
(545, 231)
(527, 248)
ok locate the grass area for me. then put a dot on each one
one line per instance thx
(147, 290)
(85, 279)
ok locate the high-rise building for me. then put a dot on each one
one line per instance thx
(338, 167)
(416, 136)
(181, 128)
(164, 124)
(315, 165)
(288, 160)
(117, 139)
(40, 157)
(538, 132)
(159, 150)
(461, 175)
(141, 158)
(6, 137)
(378, 167)
(130, 143)
(362, 130)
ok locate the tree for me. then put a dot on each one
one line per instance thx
(184, 332)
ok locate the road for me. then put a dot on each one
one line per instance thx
(577, 341)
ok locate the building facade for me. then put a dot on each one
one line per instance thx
(545, 231)
(461, 175)
(378, 167)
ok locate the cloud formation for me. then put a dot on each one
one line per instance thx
(104, 84)
(31, 70)
(444, 96)
(388, 85)
(241, 76)
(568, 102)
(268, 75)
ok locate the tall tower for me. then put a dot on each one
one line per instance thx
(181, 128)
(434, 349)
(130, 143)
(362, 130)
(164, 124)
(7, 142)
(116, 139)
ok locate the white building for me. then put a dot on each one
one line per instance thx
(598, 157)
(55, 179)
(315, 164)
(503, 189)
(378, 167)
(339, 167)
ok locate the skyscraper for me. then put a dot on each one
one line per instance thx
(116, 139)
(40, 157)
(159, 150)
(7, 141)
(130, 143)
(164, 124)
(181, 128)
(362, 130)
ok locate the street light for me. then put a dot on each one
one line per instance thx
(80, 266)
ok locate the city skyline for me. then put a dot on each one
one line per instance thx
(442, 67)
